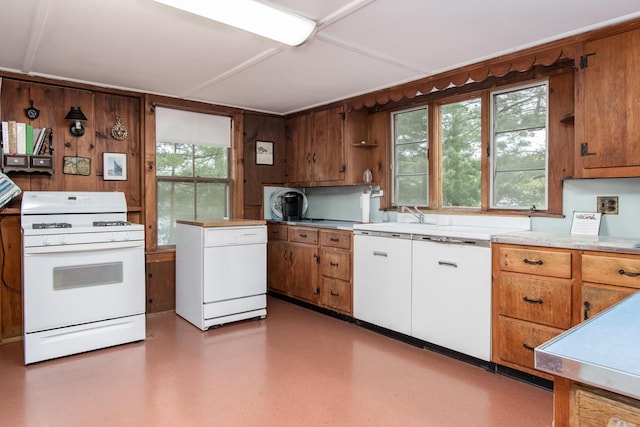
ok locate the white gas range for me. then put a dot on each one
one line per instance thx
(83, 273)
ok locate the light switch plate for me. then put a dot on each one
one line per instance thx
(608, 205)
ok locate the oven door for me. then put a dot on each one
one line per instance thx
(74, 284)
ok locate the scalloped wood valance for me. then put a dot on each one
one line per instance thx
(459, 77)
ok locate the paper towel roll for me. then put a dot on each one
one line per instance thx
(365, 205)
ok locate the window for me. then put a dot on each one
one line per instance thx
(192, 170)
(519, 147)
(461, 148)
(504, 167)
(410, 157)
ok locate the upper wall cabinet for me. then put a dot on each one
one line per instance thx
(321, 147)
(607, 117)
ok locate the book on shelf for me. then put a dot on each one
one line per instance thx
(28, 140)
(5, 136)
(13, 142)
(40, 144)
(21, 138)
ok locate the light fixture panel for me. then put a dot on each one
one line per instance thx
(252, 16)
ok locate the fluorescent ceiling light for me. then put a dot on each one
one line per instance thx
(252, 16)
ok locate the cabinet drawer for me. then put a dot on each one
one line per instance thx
(303, 235)
(518, 339)
(335, 263)
(536, 261)
(541, 301)
(278, 232)
(336, 294)
(591, 407)
(335, 239)
(612, 270)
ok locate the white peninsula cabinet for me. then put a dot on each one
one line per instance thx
(221, 271)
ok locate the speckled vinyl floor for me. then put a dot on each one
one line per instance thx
(295, 368)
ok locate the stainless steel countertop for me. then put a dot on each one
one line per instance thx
(603, 351)
(628, 245)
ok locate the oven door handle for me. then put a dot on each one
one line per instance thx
(84, 247)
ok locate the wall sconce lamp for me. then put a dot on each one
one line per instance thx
(75, 115)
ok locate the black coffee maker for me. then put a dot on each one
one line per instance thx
(292, 206)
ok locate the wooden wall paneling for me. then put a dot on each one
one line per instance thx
(150, 195)
(561, 137)
(45, 98)
(262, 128)
(108, 107)
(10, 277)
(236, 161)
(15, 98)
(379, 131)
(161, 289)
(69, 145)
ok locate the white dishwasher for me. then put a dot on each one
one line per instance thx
(382, 279)
(221, 273)
(451, 294)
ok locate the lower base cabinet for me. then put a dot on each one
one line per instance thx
(594, 407)
(311, 264)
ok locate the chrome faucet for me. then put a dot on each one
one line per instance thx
(415, 212)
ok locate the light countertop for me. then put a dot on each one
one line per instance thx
(602, 351)
(223, 222)
(629, 245)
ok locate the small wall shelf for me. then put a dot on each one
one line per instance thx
(28, 163)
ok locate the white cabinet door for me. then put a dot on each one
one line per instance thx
(382, 282)
(451, 297)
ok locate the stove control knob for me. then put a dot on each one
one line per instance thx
(125, 236)
(113, 237)
(45, 241)
(63, 240)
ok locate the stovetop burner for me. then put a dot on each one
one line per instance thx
(43, 225)
(110, 223)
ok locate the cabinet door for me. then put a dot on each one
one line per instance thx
(328, 145)
(299, 155)
(277, 265)
(596, 298)
(608, 107)
(303, 272)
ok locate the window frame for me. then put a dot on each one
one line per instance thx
(195, 180)
(493, 151)
(553, 190)
(394, 164)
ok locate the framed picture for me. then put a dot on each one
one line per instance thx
(76, 165)
(264, 153)
(114, 166)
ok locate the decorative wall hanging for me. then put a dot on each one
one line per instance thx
(114, 166)
(119, 131)
(264, 153)
(76, 165)
(31, 112)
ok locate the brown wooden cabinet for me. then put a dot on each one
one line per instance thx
(594, 407)
(607, 116)
(311, 264)
(322, 150)
(532, 294)
(336, 267)
(539, 292)
(606, 280)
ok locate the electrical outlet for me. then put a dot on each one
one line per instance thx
(608, 205)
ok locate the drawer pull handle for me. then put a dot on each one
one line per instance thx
(587, 309)
(528, 347)
(335, 294)
(532, 301)
(334, 239)
(303, 235)
(379, 253)
(528, 261)
(317, 291)
(628, 273)
(448, 263)
(333, 264)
